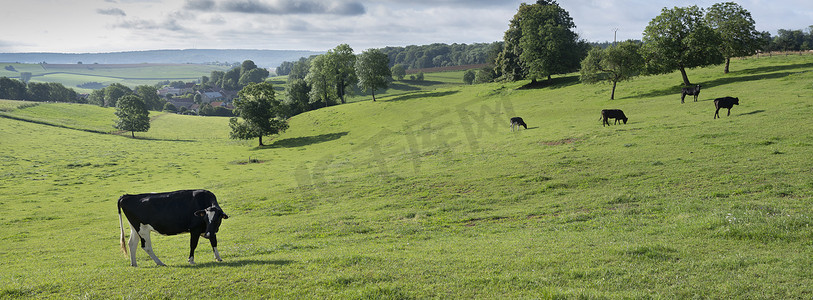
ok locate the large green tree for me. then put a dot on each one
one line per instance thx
(149, 94)
(372, 69)
(734, 25)
(320, 77)
(113, 92)
(342, 60)
(133, 114)
(298, 100)
(613, 64)
(261, 112)
(678, 39)
(540, 42)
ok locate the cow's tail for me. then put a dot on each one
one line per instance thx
(121, 226)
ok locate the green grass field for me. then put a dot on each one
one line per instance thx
(430, 195)
(72, 75)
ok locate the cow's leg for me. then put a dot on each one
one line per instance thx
(193, 243)
(213, 241)
(146, 244)
(729, 112)
(717, 113)
(682, 96)
(133, 243)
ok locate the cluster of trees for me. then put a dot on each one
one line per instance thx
(111, 94)
(442, 55)
(792, 40)
(677, 39)
(14, 89)
(236, 78)
(540, 42)
(420, 57)
(326, 79)
(317, 81)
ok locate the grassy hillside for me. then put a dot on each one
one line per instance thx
(429, 195)
(72, 75)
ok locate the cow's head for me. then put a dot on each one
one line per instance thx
(213, 215)
(737, 101)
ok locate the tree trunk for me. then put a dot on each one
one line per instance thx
(261, 141)
(612, 96)
(727, 62)
(685, 78)
(133, 133)
(340, 89)
(373, 95)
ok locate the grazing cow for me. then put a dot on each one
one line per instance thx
(695, 91)
(517, 121)
(616, 114)
(725, 102)
(193, 211)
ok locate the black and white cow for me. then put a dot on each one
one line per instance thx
(616, 114)
(193, 211)
(517, 121)
(692, 91)
(725, 102)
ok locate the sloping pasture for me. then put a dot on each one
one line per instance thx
(430, 195)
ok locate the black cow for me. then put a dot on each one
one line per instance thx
(616, 114)
(725, 102)
(517, 121)
(695, 90)
(193, 211)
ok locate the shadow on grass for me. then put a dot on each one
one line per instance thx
(420, 95)
(747, 75)
(128, 135)
(239, 263)
(558, 82)
(759, 111)
(303, 141)
(403, 87)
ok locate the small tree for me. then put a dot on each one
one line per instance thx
(170, 107)
(133, 115)
(260, 111)
(398, 71)
(614, 64)
(25, 76)
(372, 69)
(484, 75)
(468, 77)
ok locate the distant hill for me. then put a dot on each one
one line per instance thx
(263, 58)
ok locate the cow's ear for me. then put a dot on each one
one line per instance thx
(225, 216)
(200, 213)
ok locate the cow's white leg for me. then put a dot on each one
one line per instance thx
(191, 260)
(217, 254)
(144, 232)
(133, 243)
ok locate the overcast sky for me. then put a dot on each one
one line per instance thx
(82, 26)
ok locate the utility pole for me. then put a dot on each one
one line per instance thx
(615, 34)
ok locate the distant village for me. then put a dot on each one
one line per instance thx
(188, 98)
